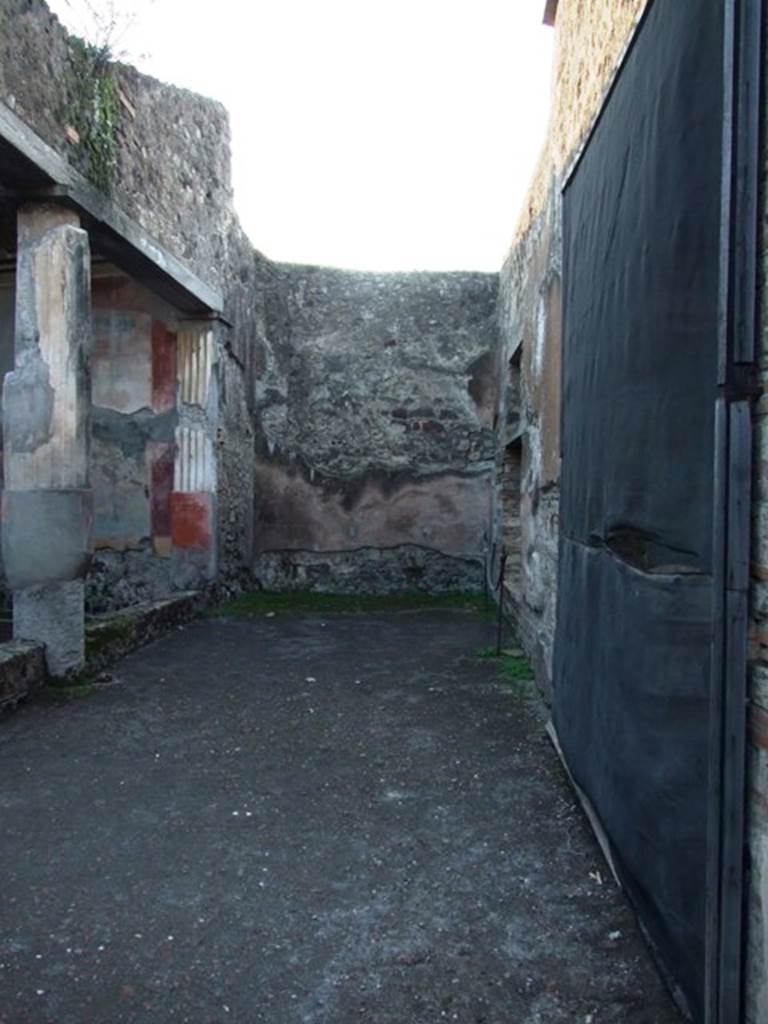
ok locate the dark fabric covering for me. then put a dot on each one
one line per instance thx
(641, 249)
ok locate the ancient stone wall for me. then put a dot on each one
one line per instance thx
(375, 400)
(591, 37)
(529, 367)
(172, 154)
(171, 174)
(356, 431)
(757, 799)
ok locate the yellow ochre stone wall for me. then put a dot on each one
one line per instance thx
(591, 37)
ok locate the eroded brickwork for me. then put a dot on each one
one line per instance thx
(591, 37)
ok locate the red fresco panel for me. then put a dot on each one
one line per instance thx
(192, 519)
(163, 367)
(161, 475)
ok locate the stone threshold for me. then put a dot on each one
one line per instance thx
(22, 671)
(108, 638)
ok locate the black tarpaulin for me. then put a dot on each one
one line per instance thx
(641, 223)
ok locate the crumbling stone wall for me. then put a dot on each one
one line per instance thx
(172, 176)
(172, 173)
(756, 1009)
(590, 41)
(529, 325)
(591, 37)
(375, 442)
(334, 471)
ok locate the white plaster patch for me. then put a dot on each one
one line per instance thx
(194, 468)
(195, 359)
(541, 335)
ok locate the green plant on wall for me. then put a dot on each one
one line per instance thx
(94, 110)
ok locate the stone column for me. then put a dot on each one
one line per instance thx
(47, 507)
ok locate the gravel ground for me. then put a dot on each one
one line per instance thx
(306, 820)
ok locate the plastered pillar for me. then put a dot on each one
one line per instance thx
(193, 499)
(47, 507)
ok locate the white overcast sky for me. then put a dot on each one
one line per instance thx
(374, 134)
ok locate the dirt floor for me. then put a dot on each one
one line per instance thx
(307, 819)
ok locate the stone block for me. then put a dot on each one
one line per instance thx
(46, 535)
(22, 671)
(53, 614)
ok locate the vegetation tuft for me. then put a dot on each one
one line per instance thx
(95, 110)
(70, 687)
(514, 668)
(101, 635)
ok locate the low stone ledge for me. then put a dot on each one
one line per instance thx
(22, 671)
(367, 570)
(111, 636)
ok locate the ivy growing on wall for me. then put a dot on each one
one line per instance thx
(94, 110)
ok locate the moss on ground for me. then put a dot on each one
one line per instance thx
(70, 687)
(69, 691)
(514, 670)
(258, 603)
(101, 635)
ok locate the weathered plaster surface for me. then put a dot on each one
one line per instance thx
(529, 326)
(448, 512)
(46, 521)
(374, 402)
(173, 178)
(149, 443)
(133, 425)
(121, 368)
(122, 509)
(46, 535)
(45, 397)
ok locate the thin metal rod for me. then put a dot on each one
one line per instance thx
(500, 622)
